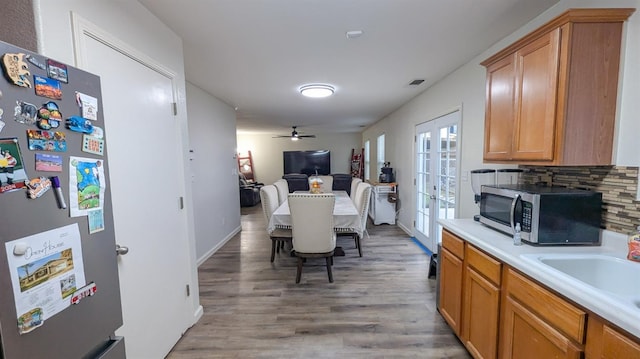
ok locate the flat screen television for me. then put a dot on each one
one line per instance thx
(307, 162)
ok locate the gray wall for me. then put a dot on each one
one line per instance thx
(17, 26)
(214, 175)
(267, 151)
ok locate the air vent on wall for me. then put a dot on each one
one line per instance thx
(416, 82)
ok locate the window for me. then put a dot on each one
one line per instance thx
(367, 161)
(380, 154)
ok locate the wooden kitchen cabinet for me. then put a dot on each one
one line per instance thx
(451, 271)
(470, 295)
(606, 342)
(538, 324)
(481, 303)
(551, 96)
(497, 312)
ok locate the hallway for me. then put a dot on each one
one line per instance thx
(380, 306)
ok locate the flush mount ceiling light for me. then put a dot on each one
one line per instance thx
(317, 90)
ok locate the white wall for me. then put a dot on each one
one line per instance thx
(139, 29)
(214, 175)
(267, 151)
(465, 89)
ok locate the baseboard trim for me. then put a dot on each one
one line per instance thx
(404, 228)
(198, 314)
(213, 250)
(422, 246)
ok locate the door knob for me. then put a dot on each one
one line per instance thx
(121, 250)
(433, 196)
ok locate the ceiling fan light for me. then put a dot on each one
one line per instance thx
(317, 90)
(294, 138)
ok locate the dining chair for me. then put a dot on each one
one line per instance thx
(283, 190)
(354, 185)
(362, 201)
(269, 200)
(312, 227)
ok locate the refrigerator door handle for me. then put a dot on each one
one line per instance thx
(121, 250)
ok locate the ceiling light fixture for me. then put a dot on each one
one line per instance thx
(317, 90)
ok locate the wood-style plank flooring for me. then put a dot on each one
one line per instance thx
(379, 306)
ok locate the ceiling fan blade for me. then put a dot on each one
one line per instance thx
(294, 134)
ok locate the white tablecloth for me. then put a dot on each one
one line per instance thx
(345, 215)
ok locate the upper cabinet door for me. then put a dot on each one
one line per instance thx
(498, 126)
(535, 106)
(551, 96)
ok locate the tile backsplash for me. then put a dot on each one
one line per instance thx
(621, 210)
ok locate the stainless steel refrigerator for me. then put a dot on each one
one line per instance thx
(59, 287)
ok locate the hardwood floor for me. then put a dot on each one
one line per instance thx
(380, 305)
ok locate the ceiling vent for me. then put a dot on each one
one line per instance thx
(416, 82)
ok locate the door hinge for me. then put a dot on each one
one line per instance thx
(174, 108)
(181, 202)
(188, 290)
(414, 224)
(414, 181)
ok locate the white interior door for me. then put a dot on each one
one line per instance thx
(436, 159)
(144, 151)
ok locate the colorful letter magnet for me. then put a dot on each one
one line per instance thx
(16, 69)
(79, 124)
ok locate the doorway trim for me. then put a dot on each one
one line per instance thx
(458, 108)
(83, 29)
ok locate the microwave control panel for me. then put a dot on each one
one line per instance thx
(527, 213)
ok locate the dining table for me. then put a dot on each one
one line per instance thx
(345, 215)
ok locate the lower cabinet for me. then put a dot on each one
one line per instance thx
(481, 304)
(470, 295)
(498, 312)
(605, 342)
(451, 271)
(537, 323)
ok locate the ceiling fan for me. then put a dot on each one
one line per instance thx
(294, 136)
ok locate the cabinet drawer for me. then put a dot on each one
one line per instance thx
(484, 264)
(555, 310)
(454, 244)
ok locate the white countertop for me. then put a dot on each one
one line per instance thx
(501, 247)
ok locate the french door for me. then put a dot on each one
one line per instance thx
(436, 182)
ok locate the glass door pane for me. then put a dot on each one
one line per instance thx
(423, 183)
(436, 176)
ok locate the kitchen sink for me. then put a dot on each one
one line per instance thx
(606, 273)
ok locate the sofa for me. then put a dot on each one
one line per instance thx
(334, 182)
(249, 192)
(297, 182)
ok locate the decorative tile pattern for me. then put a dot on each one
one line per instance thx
(621, 210)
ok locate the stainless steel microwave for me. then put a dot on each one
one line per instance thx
(547, 215)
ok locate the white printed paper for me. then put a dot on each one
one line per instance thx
(88, 106)
(87, 185)
(45, 269)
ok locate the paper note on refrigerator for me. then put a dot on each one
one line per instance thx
(45, 269)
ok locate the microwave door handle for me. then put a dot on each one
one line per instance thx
(516, 198)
